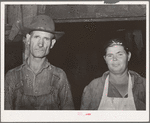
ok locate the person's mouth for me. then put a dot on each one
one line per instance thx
(115, 65)
(39, 49)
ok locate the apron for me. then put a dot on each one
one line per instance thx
(115, 103)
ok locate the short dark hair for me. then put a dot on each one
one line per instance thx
(116, 41)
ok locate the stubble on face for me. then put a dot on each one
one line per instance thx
(40, 43)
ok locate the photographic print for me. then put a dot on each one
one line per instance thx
(74, 61)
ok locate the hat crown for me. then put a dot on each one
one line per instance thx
(43, 22)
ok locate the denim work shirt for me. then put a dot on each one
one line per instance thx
(47, 90)
(93, 92)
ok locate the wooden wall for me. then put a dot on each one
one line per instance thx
(71, 13)
(76, 13)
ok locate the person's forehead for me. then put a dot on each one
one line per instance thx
(115, 49)
(42, 33)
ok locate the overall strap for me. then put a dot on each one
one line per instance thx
(18, 90)
(19, 79)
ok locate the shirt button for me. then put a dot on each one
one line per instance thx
(36, 91)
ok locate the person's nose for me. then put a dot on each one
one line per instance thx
(114, 57)
(41, 42)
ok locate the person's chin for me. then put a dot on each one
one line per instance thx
(39, 55)
(116, 70)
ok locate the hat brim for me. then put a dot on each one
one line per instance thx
(57, 34)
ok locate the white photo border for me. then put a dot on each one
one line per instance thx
(73, 115)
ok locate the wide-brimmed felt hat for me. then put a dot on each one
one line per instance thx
(42, 23)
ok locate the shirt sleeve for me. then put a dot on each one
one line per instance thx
(86, 99)
(65, 94)
(92, 95)
(8, 92)
(144, 86)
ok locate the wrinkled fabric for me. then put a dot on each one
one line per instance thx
(47, 90)
(117, 103)
(93, 92)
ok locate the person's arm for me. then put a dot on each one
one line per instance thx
(8, 91)
(86, 99)
(92, 95)
(139, 93)
(144, 85)
(66, 101)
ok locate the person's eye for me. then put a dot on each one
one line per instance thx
(120, 54)
(109, 55)
(47, 39)
(36, 36)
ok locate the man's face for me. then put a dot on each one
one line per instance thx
(40, 43)
(117, 59)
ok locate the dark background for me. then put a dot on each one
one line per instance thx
(79, 51)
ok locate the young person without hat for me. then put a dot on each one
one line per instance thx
(37, 84)
(118, 88)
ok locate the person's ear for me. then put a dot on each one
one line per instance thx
(52, 43)
(129, 56)
(104, 57)
(28, 38)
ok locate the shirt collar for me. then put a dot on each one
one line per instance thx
(46, 64)
(130, 72)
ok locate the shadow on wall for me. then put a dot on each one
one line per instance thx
(13, 53)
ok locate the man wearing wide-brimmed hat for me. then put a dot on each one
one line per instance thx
(36, 84)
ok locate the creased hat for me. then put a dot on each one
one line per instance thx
(42, 23)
